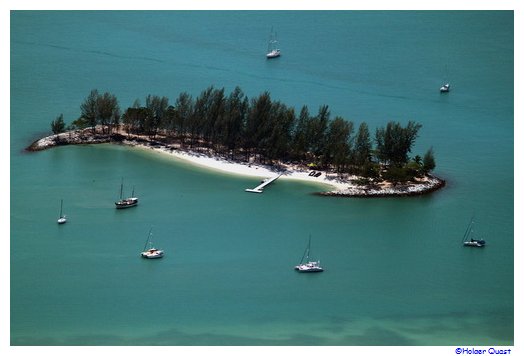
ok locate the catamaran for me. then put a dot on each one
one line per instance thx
(151, 252)
(308, 266)
(272, 46)
(126, 202)
(61, 217)
(469, 239)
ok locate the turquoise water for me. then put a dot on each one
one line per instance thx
(396, 273)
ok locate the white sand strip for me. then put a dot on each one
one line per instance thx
(245, 169)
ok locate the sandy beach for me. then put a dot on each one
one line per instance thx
(335, 185)
(245, 169)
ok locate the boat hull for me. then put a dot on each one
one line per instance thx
(152, 255)
(475, 243)
(273, 54)
(62, 221)
(310, 270)
(444, 88)
(309, 267)
(121, 206)
(126, 203)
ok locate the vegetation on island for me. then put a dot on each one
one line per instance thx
(58, 125)
(263, 130)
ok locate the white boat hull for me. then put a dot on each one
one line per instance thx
(474, 243)
(151, 254)
(309, 267)
(444, 88)
(273, 54)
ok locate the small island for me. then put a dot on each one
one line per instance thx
(259, 137)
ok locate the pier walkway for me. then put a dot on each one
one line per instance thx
(260, 188)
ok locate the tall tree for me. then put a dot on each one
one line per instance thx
(428, 162)
(301, 141)
(183, 113)
(317, 131)
(108, 110)
(395, 142)
(168, 121)
(258, 122)
(200, 120)
(115, 120)
(277, 142)
(236, 111)
(157, 107)
(338, 143)
(216, 126)
(58, 125)
(129, 119)
(362, 148)
(89, 109)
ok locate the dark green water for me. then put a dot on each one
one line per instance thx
(396, 273)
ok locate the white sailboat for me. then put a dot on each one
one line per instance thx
(61, 217)
(446, 87)
(151, 252)
(272, 46)
(126, 202)
(308, 266)
(469, 237)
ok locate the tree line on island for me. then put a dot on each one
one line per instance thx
(240, 128)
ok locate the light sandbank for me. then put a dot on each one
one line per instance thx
(246, 169)
(342, 187)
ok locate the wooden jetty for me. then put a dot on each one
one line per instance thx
(265, 182)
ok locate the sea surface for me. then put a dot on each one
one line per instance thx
(396, 272)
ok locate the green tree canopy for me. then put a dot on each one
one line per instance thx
(394, 142)
(362, 149)
(58, 125)
(264, 129)
(428, 162)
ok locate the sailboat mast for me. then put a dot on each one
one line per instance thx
(61, 204)
(121, 188)
(303, 256)
(269, 41)
(308, 248)
(148, 238)
(468, 229)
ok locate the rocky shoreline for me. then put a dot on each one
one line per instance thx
(343, 188)
(405, 190)
(76, 137)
